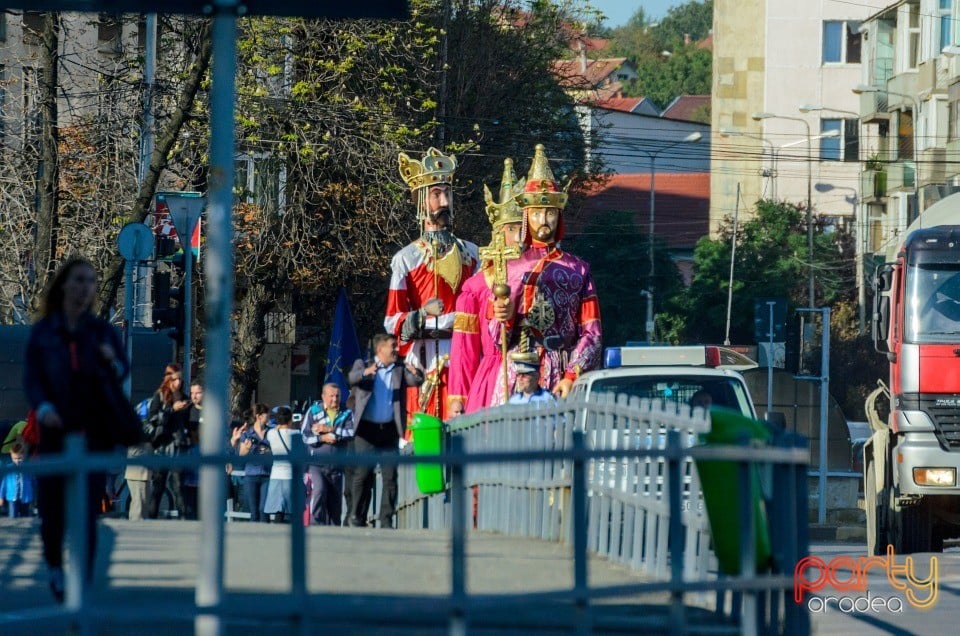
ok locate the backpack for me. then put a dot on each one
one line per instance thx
(143, 408)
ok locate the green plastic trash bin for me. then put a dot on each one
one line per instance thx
(428, 440)
(719, 480)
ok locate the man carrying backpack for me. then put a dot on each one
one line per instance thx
(138, 477)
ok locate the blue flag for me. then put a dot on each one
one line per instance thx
(344, 347)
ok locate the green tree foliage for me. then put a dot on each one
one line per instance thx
(855, 366)
(687, 70)
(621, 271)
(694, 19)
(327, 106)
(771, 261)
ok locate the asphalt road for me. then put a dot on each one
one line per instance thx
(157, 563)
(886, 610)
(370, 574)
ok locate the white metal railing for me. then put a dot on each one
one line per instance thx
(613, 479)
(628, 492)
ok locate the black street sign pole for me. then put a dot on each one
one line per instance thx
(770, 304)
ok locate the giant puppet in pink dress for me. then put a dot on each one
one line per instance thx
(426, 277)
(476, 362)
(554, 314)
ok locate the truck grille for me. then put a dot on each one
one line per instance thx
(947, 420)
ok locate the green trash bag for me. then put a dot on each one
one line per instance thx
(428, 440)
(721, 494)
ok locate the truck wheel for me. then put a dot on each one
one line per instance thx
(876, 509)
(912, 527)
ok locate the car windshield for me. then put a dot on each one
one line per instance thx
(933, 303)
(691, 390)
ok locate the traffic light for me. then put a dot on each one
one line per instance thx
(166, 246)
(168, 306)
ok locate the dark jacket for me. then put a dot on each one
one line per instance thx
(169, 428)
(67, 371)
(361, 388)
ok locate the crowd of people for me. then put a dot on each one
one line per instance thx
(466, 328)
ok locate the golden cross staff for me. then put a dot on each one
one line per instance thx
(498, 253)
(435, 244)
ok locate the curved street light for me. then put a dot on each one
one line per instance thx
(761, 116)
(653, 154)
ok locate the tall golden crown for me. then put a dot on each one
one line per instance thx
(435, 169)
(541, 189)
(507, 210)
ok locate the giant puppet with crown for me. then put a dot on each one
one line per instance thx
(477, 374)
(426, 278)
(552, 315)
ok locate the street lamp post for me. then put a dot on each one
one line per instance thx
(809, 108)
(760, 116)
(861, 225)
(652, 155)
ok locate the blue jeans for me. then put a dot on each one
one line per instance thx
(255, 489)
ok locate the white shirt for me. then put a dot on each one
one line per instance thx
(280, 444)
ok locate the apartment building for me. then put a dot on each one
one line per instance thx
(910, 90)
(785, 122)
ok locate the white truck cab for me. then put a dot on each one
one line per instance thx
(673, 375)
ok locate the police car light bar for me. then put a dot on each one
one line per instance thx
(690, 356)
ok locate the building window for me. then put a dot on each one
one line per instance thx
(841, 42)
(3, 26)
(109, 30)
(31, 104)
(905, 135)
(946, 23)
(260, 179)
(32, 27)
(846, 145)
(908, 37)
(953, 121)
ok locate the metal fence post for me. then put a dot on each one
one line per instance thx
(77, 513)
(581, 589)
(748, 539)
(298, 560)
(458, 531)
(675, 486)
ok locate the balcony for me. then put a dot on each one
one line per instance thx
(951, 162)
(901, 176)
(933, 166)
(873, 108)
(907, 83)
(873, 185)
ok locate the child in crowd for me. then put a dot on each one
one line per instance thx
(18, 490)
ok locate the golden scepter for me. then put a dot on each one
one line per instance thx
(498, 253)
(436, 325)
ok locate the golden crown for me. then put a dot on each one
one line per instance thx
(435, 169)
(507, 210)
(541, 189)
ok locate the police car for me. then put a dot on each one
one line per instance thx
(681, 378)
(674, 375)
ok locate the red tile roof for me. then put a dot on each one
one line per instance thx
(622, 104)
(685, 107)
(682, 205)
(589, 43)
(571, 75)
(706, 43)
